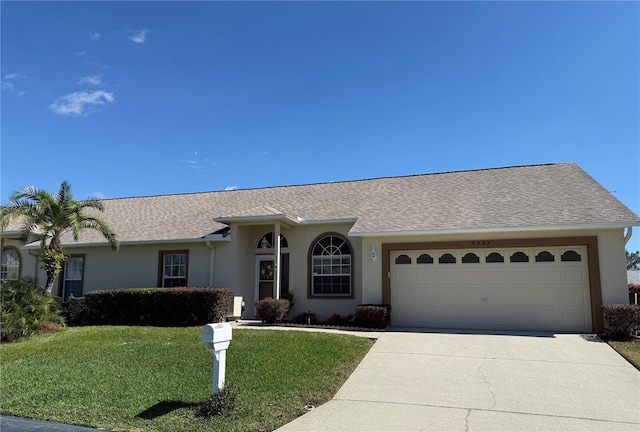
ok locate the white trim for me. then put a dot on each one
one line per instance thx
(491, 230)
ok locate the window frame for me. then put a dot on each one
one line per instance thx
(63, 277)
(2, 269)
(161, 276)
(310, 256)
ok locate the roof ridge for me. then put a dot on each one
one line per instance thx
(339, 181)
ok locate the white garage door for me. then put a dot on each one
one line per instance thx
(517, 289)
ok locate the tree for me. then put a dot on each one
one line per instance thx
(50, 216)
(633, 260)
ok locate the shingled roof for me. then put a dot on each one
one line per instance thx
(522, 197)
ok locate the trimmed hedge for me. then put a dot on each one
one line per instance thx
(272, 311)
(621, 321)
(185, 306)
(376, 316)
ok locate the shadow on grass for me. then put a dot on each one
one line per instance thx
(163, 408)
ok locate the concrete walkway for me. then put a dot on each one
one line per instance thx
(443, 381)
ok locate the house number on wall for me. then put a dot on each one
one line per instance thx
(481, 243)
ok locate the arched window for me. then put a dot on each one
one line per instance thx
(447, 259)
(519, 257)
(570, 255)
(470, 258)
(494, 257)
(425, 259)
(545, 256)
(331, 259)
(266, 241)
(10, 264)
(403, 259)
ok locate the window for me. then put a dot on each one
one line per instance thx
(72, 277)
(470, 258)
(173, 269)
(425, 259)
(447, 259)
(519, 257)
(495, 257)
(331, 267)
(545, 256)
(403, 259)
(570, 255)
(10, 264)
(266, 241)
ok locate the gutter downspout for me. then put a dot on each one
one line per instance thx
(627, 235)
(278, 252)
(212, 261)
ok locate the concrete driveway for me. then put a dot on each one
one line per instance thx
(443, 381)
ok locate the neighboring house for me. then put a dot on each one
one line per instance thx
(633, 277)
(538, 247)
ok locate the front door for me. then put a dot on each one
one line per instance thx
(265, 276)
(266, 272)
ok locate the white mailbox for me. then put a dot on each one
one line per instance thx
(216, 338)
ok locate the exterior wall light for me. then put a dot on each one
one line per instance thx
(374, 254)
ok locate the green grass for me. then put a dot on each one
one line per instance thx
(152, 379)
(628, 349)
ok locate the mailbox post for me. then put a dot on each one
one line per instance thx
(216, 338)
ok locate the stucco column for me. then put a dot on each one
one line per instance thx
(277, 259)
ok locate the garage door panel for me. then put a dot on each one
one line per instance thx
(425, 297)
(447, 277)
(547, 276)
(424, 278)
(471, 277)
(523, 295)
(404, 297)
(404, 276)
(494, 277)
(520, 276)
(449, 296)
(573, 276)
(574, 297)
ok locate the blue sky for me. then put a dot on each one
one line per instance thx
(144, 98)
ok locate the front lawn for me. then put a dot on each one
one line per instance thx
(152, 378)
(628, 349)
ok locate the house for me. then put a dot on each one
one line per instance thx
(537, 247)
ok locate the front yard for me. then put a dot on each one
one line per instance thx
(152, 378)
(629, 350)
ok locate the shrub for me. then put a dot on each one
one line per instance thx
(272, 311)
(373, 316)
(219, 404)
(339, 320)
(622, 321)
(152, 306)
(24, 310)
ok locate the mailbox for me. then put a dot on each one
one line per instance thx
(216, 339)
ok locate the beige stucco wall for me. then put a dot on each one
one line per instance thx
(136, 266)
(299, 239)
(611, 249)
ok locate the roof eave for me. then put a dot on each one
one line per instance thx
(207, 238)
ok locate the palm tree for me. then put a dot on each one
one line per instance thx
(50, 216)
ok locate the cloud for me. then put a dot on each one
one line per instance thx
(139, 36)
(9, 84)
(95, 80)
(94, 36)
(98, 195)
(192, 162)
(14, 76)
(230, 188)
(22, 93)
(81, 103)
(80, 53)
